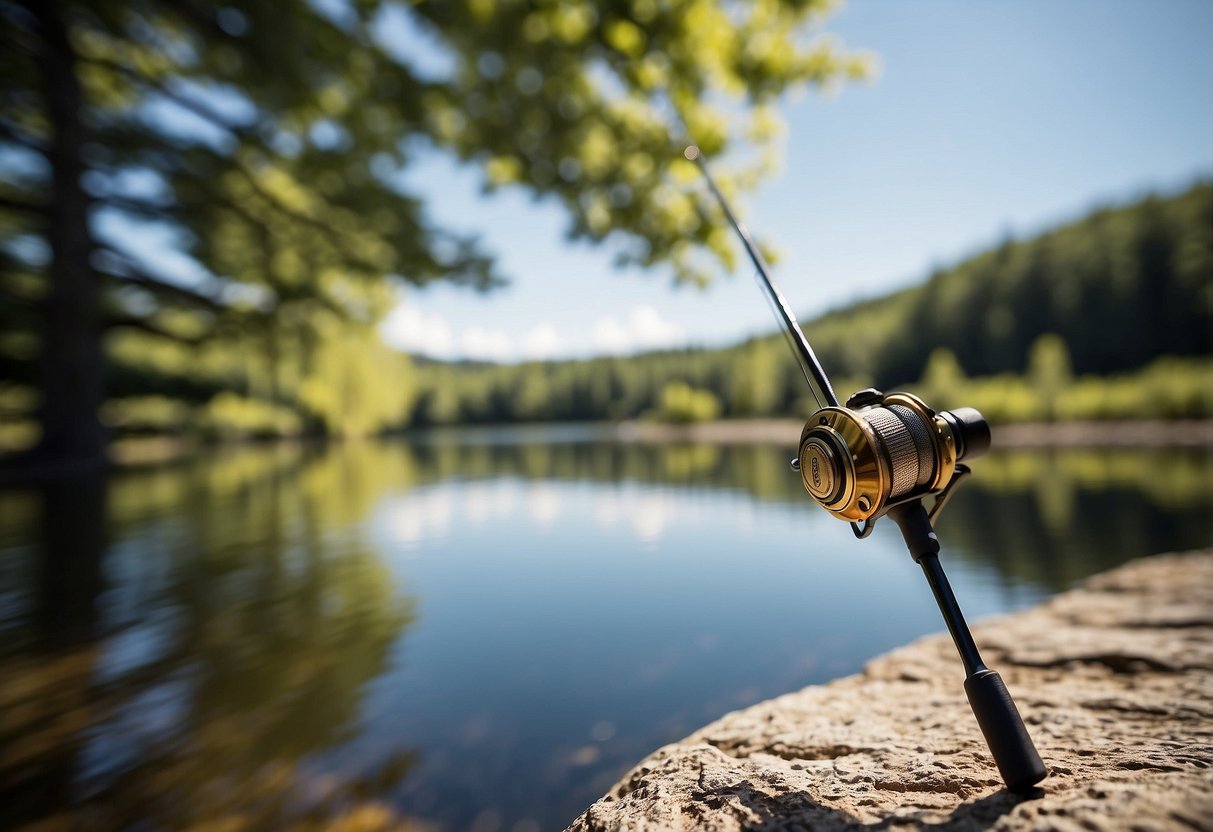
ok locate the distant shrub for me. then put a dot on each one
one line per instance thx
(680, 403)
(1169, 388)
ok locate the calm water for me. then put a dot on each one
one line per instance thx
(480, 630)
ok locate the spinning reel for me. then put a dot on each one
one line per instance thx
(881, 455)
(883, 450)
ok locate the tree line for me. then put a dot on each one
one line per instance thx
(1071, 323)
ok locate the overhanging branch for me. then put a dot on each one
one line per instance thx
(11, 133)
(203, 111)
(146, 325)
(137, 206)
(13, 203)
(242, 133)
(128, 273)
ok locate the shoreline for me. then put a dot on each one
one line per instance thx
(1114, 680)
(154, 450)
(1144, 434)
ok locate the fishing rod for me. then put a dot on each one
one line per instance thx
(881, 454)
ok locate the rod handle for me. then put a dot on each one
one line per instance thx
(1018, 761)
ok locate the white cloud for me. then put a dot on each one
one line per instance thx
(644, 329)
(608, 335)
(651, 331)
(486, 344)
(542, 342)
(407, 328)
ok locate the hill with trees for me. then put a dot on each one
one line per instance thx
(1109, 295)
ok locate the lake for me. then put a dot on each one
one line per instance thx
(482, 629)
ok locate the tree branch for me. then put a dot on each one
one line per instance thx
(333, 236)
(137, 206)
(199, 109)
(144, 325)
(130, 274)
(24, 206)
(14, 299)
(11, 133)
(243, 133)
(198, 17)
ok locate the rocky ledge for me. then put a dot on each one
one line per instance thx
(1115, 681)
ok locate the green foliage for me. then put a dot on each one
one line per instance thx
(943, 377)
(229, 416)
(591, 102)
(1120, 287)
(355, 386)
(663, 384)
(267, 141)
(1049, 370)
(682, 404)
(756, 385)
(151, 414)
(1170, 388)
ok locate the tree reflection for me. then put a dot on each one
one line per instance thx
(239, 620)
(1049, 518)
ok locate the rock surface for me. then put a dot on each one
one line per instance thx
(1114, 679)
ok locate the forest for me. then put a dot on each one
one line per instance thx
(1109, 317)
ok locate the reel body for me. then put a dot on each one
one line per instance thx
(884, 449)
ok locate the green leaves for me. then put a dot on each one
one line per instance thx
(592, 103)
(267, 139)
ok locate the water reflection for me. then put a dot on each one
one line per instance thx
(187, 638)
(474, 631)
(1051, 518)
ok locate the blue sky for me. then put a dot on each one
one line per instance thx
(986, 119)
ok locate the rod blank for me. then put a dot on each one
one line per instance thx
(809, 365)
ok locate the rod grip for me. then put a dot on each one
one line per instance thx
(1018, 762)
